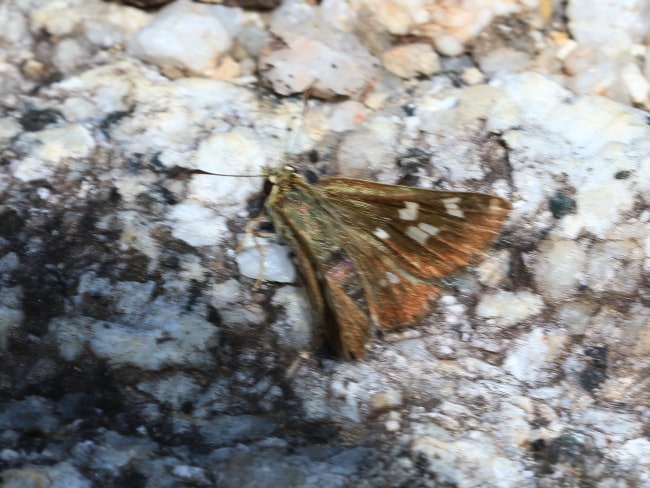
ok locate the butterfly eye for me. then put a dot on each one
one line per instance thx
(268, 186)
(266, 226)
(313, 156)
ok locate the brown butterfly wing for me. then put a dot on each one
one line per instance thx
(427, 233)
(405, 239)
(395, 298)
(334, 285)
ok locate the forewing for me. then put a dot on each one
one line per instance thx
(425, 233)
(333, 282)
(360, 285)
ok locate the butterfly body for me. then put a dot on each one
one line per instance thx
(372, 255)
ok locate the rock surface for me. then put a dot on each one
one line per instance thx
(134, 349)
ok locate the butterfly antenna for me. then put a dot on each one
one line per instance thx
(303, 114)
(184, 172)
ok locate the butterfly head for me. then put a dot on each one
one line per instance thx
(282, 176)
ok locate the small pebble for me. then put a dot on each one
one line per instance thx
(411, 60)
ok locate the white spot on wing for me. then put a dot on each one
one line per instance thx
(449, 201)
(495, 205)
(410, 212)
(392, 278)
(429, 229)
(452, 208)
(381, 233)
(383, 283)
(418, 235)
(422, 232)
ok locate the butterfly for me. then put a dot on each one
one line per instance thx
(373, 255)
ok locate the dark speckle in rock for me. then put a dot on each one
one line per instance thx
(409, 109)
(561, 205)
(10, 223)
(227, 429)
(595, 374)
(549, 453)
(35, 414)
(36, 120)
(111, 119)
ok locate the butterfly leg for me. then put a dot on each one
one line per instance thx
(253, 231)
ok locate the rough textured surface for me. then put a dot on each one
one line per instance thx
(134, 351)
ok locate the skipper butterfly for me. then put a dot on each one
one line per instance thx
(373, 255)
